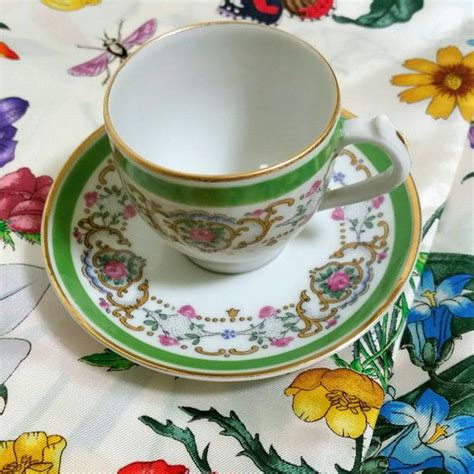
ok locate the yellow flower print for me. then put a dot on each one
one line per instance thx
(32, 452)
(69, 5)
(346, 399)
(448, 82)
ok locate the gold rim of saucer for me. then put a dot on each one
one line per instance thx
(129, 153)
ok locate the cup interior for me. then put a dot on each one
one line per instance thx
(222, 99)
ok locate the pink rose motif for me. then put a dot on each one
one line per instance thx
(338, 281)
(377, 201)
(314, 187)
(381, 256)
(202, 235)
(257, 213)
(90, 198)
(115, 270)
(22, 199)
(167, 340)
(338, 214)
(129, 211)
(267, 312)
(282, 341)
(330, 323)
(76, 234)
(187, 311)
(103, 304)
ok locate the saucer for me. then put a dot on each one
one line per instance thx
(152, 305)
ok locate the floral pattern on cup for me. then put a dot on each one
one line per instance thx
(200, 234)
(313, 189)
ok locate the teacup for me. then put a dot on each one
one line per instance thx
(224, 135)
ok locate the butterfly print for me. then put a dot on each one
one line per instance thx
(112, 49)
(270, 11)
(263, 11)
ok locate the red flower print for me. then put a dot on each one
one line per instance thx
(90, 198)
(188, 311)
(167, 340)
(129, 211)
(115, 270)
(338, 281)
(22, 198)
(377, 201)
(338, 214)
(282, 341)
(267, 312)
(153, 467)
(202, 235)
(6, 52)
(314, 187)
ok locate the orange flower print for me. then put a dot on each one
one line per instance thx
(449, 83)
(348, 401)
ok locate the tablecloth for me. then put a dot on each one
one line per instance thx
(404, 391)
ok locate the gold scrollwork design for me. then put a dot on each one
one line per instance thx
(226, 353)
(356, 163)
(92, 228)
(266, 223)
(310, 321)
(175, 224)
(220, 352)
(124, 312)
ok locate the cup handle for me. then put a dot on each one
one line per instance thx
(381, 132)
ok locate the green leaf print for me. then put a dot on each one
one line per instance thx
(31, 238)
(184, 436)
(3, 398)
(109, 359)
(252, 447)
(384, 13)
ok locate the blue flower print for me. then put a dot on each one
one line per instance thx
(429, 439)
(228, 334)
(429, 320)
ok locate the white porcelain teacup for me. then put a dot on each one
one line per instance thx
(224, 135)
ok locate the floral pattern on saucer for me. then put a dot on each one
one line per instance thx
(118, 275)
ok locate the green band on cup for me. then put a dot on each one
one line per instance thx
(232, 195)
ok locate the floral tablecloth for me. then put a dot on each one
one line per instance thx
(398, 400)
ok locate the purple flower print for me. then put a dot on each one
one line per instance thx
(11, 110)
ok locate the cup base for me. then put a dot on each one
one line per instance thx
(236, 267)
